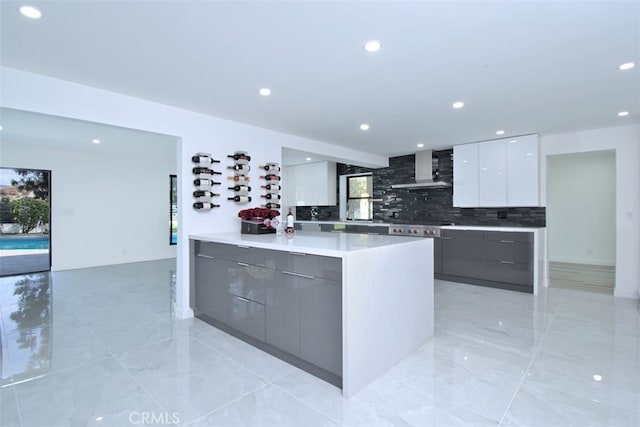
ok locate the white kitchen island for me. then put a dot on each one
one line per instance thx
(387, 293)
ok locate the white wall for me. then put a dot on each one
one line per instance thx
(581, 196)
(624, 140)
(197, 132)
(107, 208)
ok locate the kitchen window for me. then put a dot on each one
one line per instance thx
(360, 197)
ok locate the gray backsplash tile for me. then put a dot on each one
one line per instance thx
(429, 205)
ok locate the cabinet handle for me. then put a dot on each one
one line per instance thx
(297, 253)
(507, 241)
(243, 246)
(244, 264)
(377, 234)
(205, 256)
(445, 238)
(243, 299)
(298, 275)
(507, 262)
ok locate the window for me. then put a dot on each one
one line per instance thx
(360, 197)
(173, 209)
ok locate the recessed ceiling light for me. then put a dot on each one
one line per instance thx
(95, 141)
(626, 66)
(364, 126)
(0, 127)
(500, 132)
(372, 46)
(265, 91)
(420, 145)
(623, 113)
(308, 159)
(31, 12)
(458, 104)
(597, 377)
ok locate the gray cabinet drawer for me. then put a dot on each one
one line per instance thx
(247, 316)
(509, 272)
(248, 281)
(508, 250)
(508, 236)
(283, 313)
(253, 256)
(310, 265)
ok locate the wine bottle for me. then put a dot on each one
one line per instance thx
(271, 205)
(203, 159)
(240, 168)
(271, 177)
(272, 187)
(289, 229)
(270, 196)
(204, 205)
(270, 167)
(240, 188)
(204, 182)
(204, 193)
(240, 199)
(239, 178)
(206, 171)
(239, 156)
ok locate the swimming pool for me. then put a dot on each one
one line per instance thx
(24, 242)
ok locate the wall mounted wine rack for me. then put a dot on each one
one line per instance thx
(272, 185)
(204, 180)
(240, 186)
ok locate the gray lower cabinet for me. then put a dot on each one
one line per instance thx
(283, 313)
(224, 292)
(321, 323)
(462, 253)
(490, 258)
(291, 302)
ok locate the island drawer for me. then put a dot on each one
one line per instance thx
(508, 236)
(311, 265)
(248, 281)
(239, 253)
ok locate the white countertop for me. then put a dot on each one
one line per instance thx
(316, 243)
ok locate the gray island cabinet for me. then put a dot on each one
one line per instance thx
(339, 306)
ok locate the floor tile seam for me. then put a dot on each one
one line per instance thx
(568, 393)
(224, 405)
(340, 423)
(18, 382)
(15, 399)
(449, 401)
(139, 384)
(527, 370)
(224, 356)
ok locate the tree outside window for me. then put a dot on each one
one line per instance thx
(360, 197)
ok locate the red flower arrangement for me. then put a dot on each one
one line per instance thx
(258, 214)
(261, 215)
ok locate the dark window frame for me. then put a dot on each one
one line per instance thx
(369, 198)
(173, 183)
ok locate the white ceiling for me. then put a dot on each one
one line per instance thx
(525, 67)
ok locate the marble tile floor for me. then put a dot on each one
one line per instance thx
(100, 346)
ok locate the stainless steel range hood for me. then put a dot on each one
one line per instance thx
(426, 173)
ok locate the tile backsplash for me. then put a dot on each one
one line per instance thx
(427, 205)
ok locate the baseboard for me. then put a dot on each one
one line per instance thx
(584, 261)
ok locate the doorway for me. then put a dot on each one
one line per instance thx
(581, 220)
(25, 218)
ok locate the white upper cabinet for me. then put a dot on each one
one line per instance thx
(523, 171)
(506, 173)
(492, 173)
(311, 184)
(465, 175)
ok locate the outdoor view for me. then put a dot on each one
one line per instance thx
(24, 221)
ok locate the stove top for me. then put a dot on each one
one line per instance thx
(421, 230)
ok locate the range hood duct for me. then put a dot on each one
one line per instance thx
(426, 175)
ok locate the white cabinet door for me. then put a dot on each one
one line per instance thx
(522, 171)
(465, 175)
(312, 184)
(492, 169)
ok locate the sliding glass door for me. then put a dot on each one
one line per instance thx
(25, 218)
